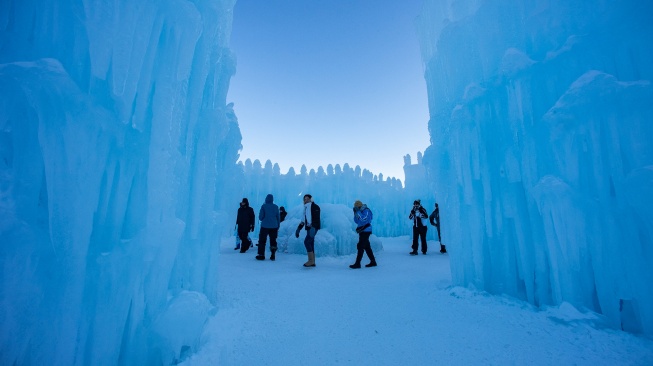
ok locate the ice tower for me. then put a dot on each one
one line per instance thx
(542, 153)
(114, 139)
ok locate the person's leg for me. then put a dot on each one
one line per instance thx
(262, 237)
(367, 246)
(415, 235)
(443, 249)
(273, 242)
(359, 253)
(309, 243)
(237, 242)
(244, 241)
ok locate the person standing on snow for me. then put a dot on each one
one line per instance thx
(311, 221)
(418, 215)
(435, 221)
(269, 217)
(363, 220)
(245, 223)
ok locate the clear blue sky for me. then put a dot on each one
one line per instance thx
(329, 82)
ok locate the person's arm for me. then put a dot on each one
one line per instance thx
(299, 228)
(365, 217)
(423, 215)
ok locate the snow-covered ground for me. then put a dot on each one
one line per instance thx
(403, 312)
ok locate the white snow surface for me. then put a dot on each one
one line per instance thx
(403, 312)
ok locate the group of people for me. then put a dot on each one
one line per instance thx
(272, 215)
(419, 215)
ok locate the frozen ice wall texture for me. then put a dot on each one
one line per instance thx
(114, 139)
(339, 185)
(541, 151)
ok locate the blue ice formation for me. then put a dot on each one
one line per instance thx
(115, 139)
(542, 153)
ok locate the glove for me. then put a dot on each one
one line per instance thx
(301, 225)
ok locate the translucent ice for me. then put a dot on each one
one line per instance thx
(541, 149)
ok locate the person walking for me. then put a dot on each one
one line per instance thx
(245, 223)
(310, 221)
(434, 218)
(418, 215)
(269, 217)
(363, 219)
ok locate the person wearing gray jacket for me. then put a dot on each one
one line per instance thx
(270, 220)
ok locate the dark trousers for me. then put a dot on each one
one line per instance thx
(421, 232)
(244, 241)
(438, 227)
(364, 246)
(262, 237)
(309, 241)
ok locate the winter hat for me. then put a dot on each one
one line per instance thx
(417, 202)
(246, 201)
(358, 203)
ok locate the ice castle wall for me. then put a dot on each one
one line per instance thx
(541, 149)
(340, 185)
(114, 139)
(387, 198)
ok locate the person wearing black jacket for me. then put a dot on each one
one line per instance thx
(245, 223)
(435, 221)
(418, 214)
(311, 221)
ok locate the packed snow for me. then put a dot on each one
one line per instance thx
(403, 312)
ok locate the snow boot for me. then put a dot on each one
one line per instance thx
(355, 265)
(260, 257)
(311, 260)
(371, 264)
(414, 252)
(443, 249)
(272, 256)
(249, 244)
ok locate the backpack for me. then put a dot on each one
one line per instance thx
(315, 215)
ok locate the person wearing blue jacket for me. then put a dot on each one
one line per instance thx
(363, 220)
(269, 217)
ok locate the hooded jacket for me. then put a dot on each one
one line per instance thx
(362, 217)
(269, 214)
(245, 218)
